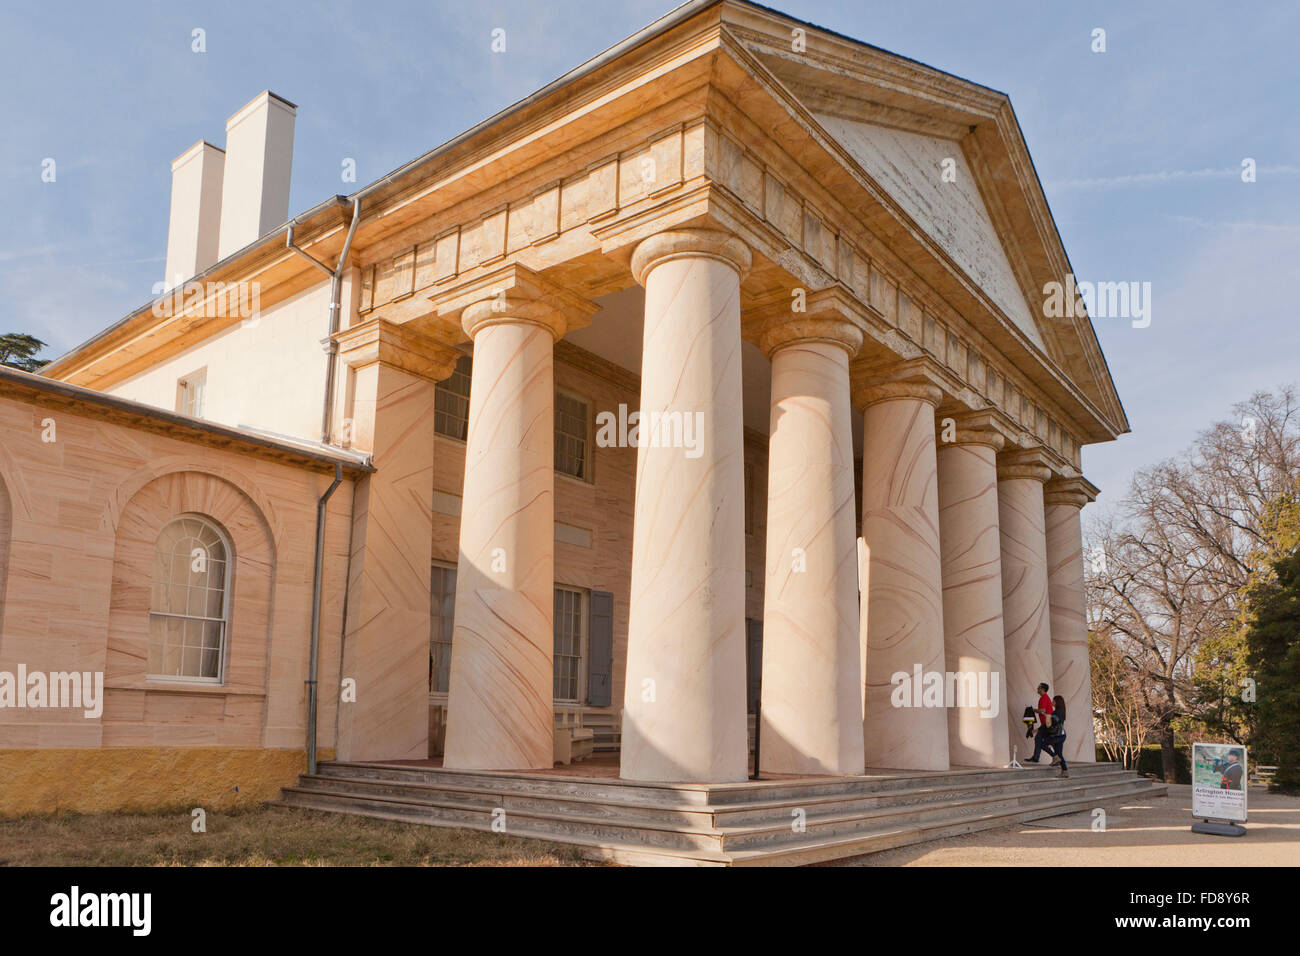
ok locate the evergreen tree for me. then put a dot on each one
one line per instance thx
(1273, 653)
(18, 350)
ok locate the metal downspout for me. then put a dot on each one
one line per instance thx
(317, 589)
(336, 308)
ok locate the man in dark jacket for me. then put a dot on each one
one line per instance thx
(1232, 773)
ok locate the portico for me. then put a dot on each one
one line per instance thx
(756, 236)
(902, 405)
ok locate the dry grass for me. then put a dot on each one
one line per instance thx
(261, 836)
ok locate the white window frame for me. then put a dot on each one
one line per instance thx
(192, 393)
(580, 680)
(224, 619)
(588, 458)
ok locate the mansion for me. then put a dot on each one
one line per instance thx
(697, 401)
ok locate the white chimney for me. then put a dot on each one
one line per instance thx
(259, 154)
(195, 212)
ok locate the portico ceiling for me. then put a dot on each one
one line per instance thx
(615, 334)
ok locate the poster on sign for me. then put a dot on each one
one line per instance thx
(1219, 782)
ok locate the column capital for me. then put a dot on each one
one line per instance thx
(1075, 492)
(397, 346)
(963, 430)
(800, 329)
(870, 373)
(1025, 463)
(826, 316)
(693, 244)
(869, 395)
(514, 293)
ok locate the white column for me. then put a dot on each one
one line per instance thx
(972, 594)
(1063, 500)
(500, 709)
(1026, 620)
(684, 706)
(812, 704)
(903, 589)
(386, 644)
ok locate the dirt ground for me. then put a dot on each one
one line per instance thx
(1146, 832)
(260, 836)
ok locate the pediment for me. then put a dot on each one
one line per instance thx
(928, 176)
(899, 120)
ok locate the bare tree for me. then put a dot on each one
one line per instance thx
(1122, 722)
(1168, 570)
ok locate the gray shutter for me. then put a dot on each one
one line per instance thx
(600, 648)
(753, 662)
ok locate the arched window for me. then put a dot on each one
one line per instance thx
(187, 609)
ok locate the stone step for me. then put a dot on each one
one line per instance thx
(677, 794)
(570, 798)
(880, 782)
(889, 817)
(562, 828)
(920, 796)
(623, 853)
(665, 794)
(802, 853)
(747, 824)
(487, 799)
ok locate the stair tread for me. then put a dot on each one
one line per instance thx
(723, 808)
(872, 826)
(919, 827)
(728, 829)
(530, 814)
(643, 849)
(890, 811)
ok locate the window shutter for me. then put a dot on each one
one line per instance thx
(600, 648)
(753, 662)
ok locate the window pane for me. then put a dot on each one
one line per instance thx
(188, 598)
(568, 643)
(442, 600)
(209, 664)
(570, 436)
(451, 402)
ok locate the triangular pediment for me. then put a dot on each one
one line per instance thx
(929, 177)
(897, 121)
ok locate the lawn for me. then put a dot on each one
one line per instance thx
(260, 836)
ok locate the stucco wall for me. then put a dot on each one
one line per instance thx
(268, 373)
(85, 509)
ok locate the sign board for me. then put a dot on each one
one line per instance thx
(1219, 782)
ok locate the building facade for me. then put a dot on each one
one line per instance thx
(720, 363)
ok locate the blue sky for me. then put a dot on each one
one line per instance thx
(1139, 148)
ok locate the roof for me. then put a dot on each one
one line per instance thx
(1009, 182)
(36, 388)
